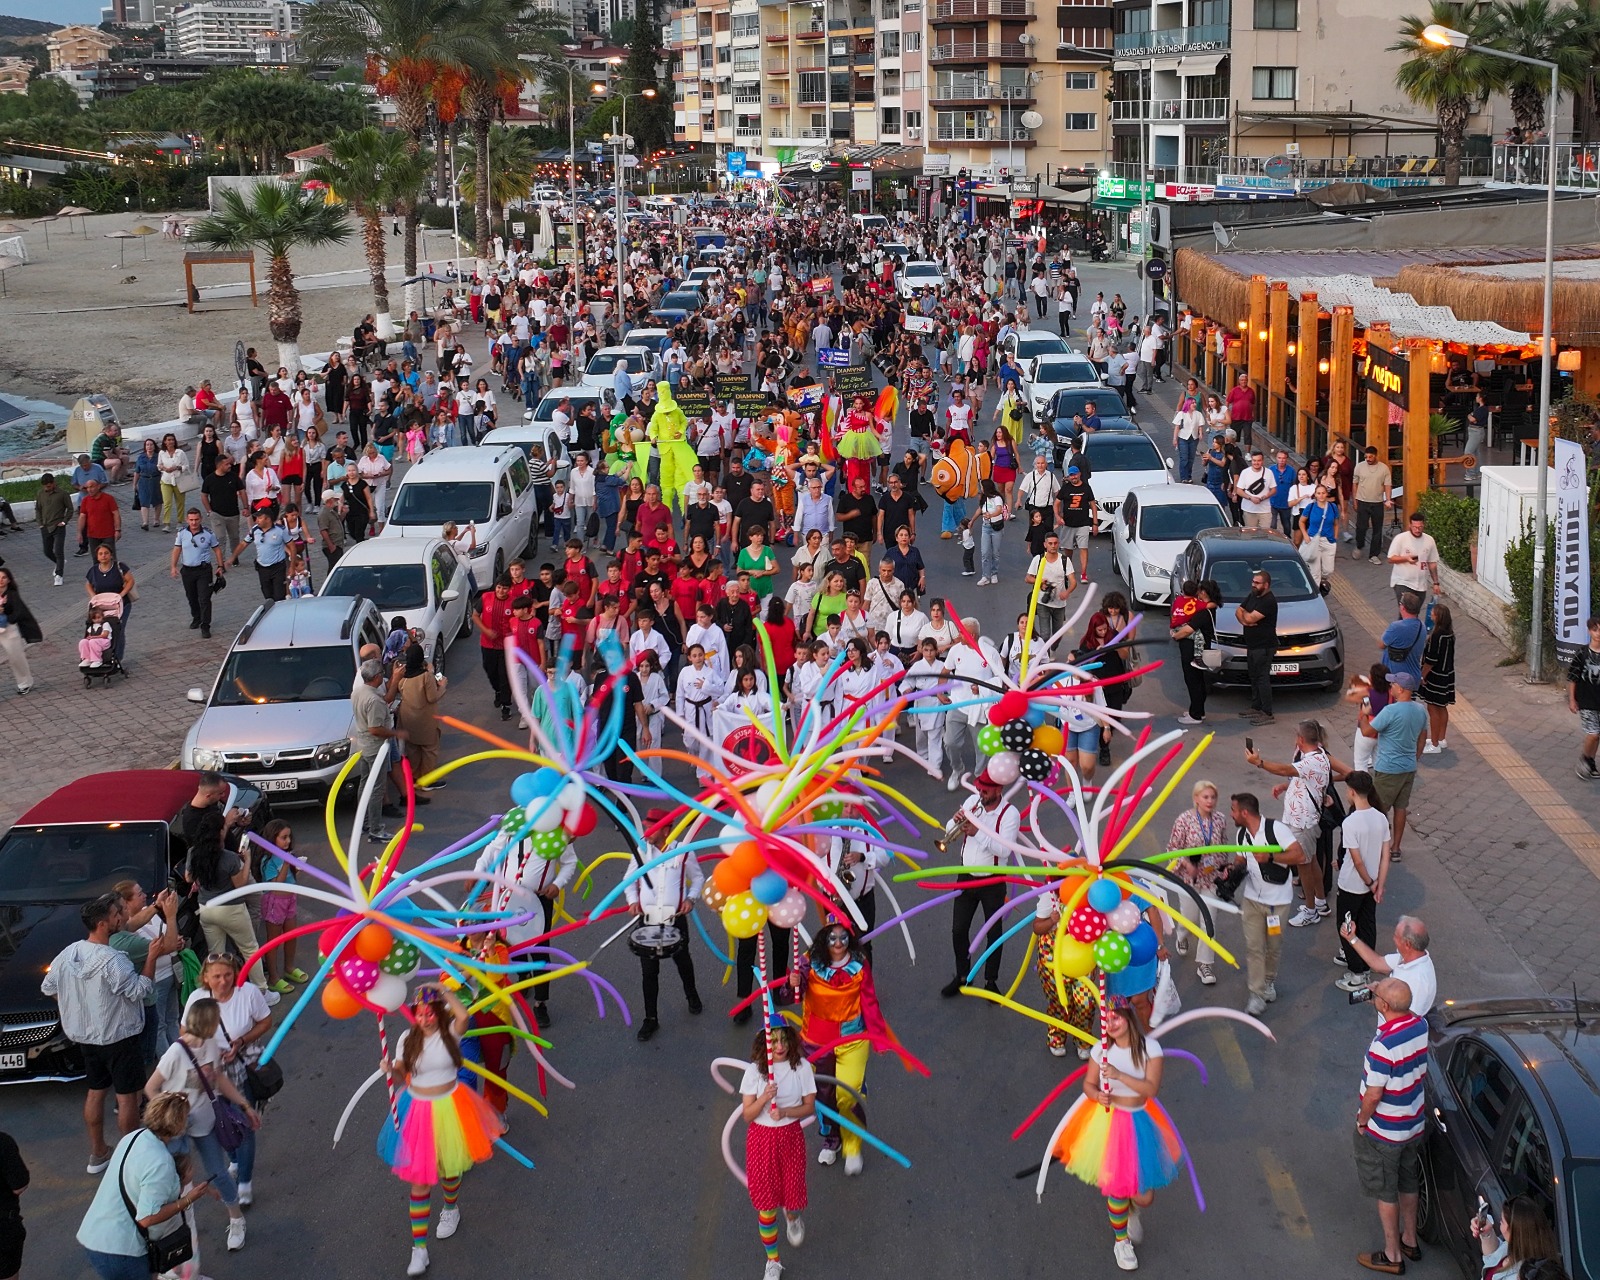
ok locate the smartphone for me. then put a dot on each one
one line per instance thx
(1484, 1217)
(1249, 744)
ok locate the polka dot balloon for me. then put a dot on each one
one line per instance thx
(1086, 924)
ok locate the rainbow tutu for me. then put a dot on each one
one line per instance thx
(1124, 1153)
(439, 1137)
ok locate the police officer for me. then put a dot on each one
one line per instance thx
(193, 554)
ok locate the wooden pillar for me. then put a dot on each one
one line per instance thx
(1415, 441)
(1378, 335)
(1255, 338)
(1341, 362)
(1277, 356)
(1587, 379)
(1309, 344)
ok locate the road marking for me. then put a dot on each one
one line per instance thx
(1520, 778)
(1233, 1060)
(1280, 1182)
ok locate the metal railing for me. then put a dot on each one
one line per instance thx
(982, 133)
(980, 91)
(1172, 39)
(1527, 164)
(983, 9)
(777, 66)
(1171, 109)
(1289, 172)
(982, 52)
(1187, 174)
(752, 133)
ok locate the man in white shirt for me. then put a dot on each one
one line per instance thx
(665, 895)
(990, 825)
(968, 661)
(1414, 557)
(1409, 961)
(1254, 490)
(533, 883)
(1039, 489)
(580, 484)
(1265, 897)
(1149, 349)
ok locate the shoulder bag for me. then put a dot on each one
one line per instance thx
(262, 1080)
(231, 1126)
(166, 1252)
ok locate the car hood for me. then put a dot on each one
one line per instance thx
(1113, 486)
(1295, 618)
(1159, 551)
(273, 726)
(32, 934)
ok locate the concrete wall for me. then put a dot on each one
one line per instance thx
(243, 185)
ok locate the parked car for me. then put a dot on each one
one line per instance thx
(919, 275)
(681, 299)
(1513, 1108)
(469, 483)
(1059, 373)
(602, 366)
(421, 580)
(1152, 527)
(1121, 460)
(700, 277)
(278, 713)
(74, 845)
(1028, 346)
(1310, 645)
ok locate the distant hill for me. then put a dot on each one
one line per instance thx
(10, 26)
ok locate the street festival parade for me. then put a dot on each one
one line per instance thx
(817, 638)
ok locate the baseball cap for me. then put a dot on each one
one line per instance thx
(1403, 680)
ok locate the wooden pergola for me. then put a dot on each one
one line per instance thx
(213, 259)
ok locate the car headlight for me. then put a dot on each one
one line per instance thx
(206, 760)
(482, 549)
(1155, 571)
(1322, 637)
(333, 752)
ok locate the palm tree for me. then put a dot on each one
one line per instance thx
(276, 220)
(371, 170)
(1451, 81)
(406, 46)
(1582, 39)
(512, 164)
(1534, 29)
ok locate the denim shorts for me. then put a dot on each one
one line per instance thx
(1084, 739)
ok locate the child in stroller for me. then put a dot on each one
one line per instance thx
(97, 651)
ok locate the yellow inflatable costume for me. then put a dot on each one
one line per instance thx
(669, 426)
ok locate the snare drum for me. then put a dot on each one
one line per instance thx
(658, 940)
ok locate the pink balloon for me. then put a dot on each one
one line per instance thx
(358, 974)
(1124, 917)
(788, 910)
(1005, 767)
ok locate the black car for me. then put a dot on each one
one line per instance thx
(71, 847)
(1513, 1099)
(1069, 403)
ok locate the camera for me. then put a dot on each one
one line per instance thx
(1228, 885)
(1046, 592)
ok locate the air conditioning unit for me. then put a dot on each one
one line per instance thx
(914, 133)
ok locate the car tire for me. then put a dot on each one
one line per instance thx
(1429, 1226)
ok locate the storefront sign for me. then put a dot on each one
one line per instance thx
(1107, 187)
(1184, 193)
(935, 164)
(1387, 374)
(1572, 601)
(861, 180)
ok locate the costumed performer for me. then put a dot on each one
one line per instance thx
(668, 429)
(441, 1127)
(538, 876)
(858, 442)
(1080, 1006)
(990, 825)
(777, 1097)
(663, 898)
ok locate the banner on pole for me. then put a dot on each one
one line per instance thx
(1572, 602)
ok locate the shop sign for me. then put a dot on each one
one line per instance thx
(1387, 374)
(1107, 187)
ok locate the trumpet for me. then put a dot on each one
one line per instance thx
(954, 830)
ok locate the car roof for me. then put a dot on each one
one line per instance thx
(626, 348)
(1039, 333)
(123, 795)
(467, 460)
(924, 262)
(386, 551)
(308, 619)
(1172, 495)
(1234, 538)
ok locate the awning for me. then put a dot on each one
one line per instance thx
(1200, 64)
(1050, 195)
(1406, 317)
(1168, 63)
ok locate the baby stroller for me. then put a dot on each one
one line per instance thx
(108, 663)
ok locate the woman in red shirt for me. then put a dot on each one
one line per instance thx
(781, 635)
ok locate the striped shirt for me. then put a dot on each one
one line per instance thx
(1397, 1060)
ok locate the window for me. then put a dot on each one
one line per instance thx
(912, 42)
(1080, 80)
(889, 44)
(1273, 82)
(1483, 1086)
(1210, 13)
(891, 9)
(1277, 15)
(913, 119)
(912, 80)
(1525, 1163)
(889, 83)
(1081, 122)
(891, 120)
(724, 53)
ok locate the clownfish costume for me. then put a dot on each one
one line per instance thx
(958, 474)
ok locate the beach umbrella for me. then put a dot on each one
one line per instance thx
(11, 229)
(143, 230)
(76, 211)
(45, 223)
(121, 237)
(6, 263)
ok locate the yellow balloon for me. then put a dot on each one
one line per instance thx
(1049, 739)
(743, 916)
(1075, 958)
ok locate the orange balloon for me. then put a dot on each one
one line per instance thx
(373, 943)
(730, 878)
(748, 858)
(337, 1002)
(1049, 739)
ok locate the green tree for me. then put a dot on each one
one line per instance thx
(1534, 29)
(512, 164)
(260, 118)
(371, 170)
(275, 220)
(1582, 39)
(1450, 81)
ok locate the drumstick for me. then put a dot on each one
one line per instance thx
(631, 923)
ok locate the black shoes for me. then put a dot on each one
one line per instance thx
(648, 1028)
(694, 1003)
(743, 1016)
(989, 984)
(951, 988)
(194, 624)
(541, 1014)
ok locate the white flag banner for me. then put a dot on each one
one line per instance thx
(1572, 604)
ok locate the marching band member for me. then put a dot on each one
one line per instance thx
(858, 861)
(990, 825)
(537, 883)
(665, 895)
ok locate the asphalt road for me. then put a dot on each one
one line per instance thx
(630, 1181)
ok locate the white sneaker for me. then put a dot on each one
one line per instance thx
(774, 1270)
(1355, 555)
(272, 996)
(522, 722)
(58, 580)
(1432, 749)
(419, 1260)
(1058, 1051)
(1351, 982)
(955, 781)
(235, 1234)
(1186, 718)
(1135, 1225)
(247, 1194)
(1206, 974)
(796, 1230)
(1271, 993)
(1083, 1052)
(1255, 1006)
(1125, 1256)
(827, 1155)
(449, 1220)
(1180, 943)
(852, 1166)
(1307, 914)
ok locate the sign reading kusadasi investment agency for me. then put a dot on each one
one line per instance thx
(1387, 374)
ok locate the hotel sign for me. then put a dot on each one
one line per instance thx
(1387, 374)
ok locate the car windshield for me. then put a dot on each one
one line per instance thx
(1044, 345)
(314, 673)
(1069, 404)
(76, 863)
(1122, 453)
(1290, 581)
(389, 586)
(1058, 369)
(682, 300)
(607, 361)
(1584, 1179)
(922, 269)
(1178, 523)
(436, 501)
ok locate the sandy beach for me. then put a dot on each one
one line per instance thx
(77, 322)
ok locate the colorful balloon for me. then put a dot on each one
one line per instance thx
(337, 1002)
(1049, 739)
(768, 888)
(329, 938)
(789, 911)
(1035, 765)
(1112, 952)
(1010, 706)
(582, 821)
(1142, 943)
(1016, 736)
(743, 916)
(548, 842)
(1075, 958)
(403, 959)
(527, 789)
(714, 895)
(746, 855)
(1086, 924)
(388, 992)
(1124, 917)
(1037, 712)
(730, 878)
(1005, 767)
(990, 741)
(1104, 896)
(357, 974)
(373, 943)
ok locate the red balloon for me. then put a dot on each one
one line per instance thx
(1086, 924)
(582, 822)
(330, 937)
(1011, 706)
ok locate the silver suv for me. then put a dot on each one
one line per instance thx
(279, 712)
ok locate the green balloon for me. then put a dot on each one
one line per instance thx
(548, 844)
(402, 959)
(990, 741)
(1112, 952)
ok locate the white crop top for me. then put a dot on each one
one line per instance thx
(435, 1066)
(1122, 1060)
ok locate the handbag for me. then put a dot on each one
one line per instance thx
(164, 1252)
(591, 526)
(231, 1126)
(1165, 1003)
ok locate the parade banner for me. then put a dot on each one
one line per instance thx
(1572, 602)
(855, 381)
(749, 404)
(917, 324)
(694, 403)
(730, 385)
(834, 357)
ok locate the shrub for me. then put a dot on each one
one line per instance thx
(1453, 522)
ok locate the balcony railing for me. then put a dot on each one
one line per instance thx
(1379, 171)
(957, 10)
(1174, 39)
(754, 134)
(1528, 164)
(810, 98)
(981, 91)
(777, 100)
(982, 52)
(1197, 109)
(982, 133)
(777, 66)
(811, 62)
(747, 99)
(1186, 174)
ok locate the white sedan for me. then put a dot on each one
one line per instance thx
(1151, 528)
(601, 371)
(420, 580)
(916, 276)
(1057, 373)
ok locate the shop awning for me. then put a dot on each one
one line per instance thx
(1407, 317)
(1050, 195)
(1200, 64)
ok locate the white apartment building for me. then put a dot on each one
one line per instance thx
(230, 29)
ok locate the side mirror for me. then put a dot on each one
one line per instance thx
(450, 595)
(196, 695)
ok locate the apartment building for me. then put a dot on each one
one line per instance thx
(78, 46)
(230, 29)
(15, 74)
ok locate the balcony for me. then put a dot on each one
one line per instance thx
(982, 133)
(810, 62)
(746, 99)
(1526, 165)
(811, 98)
(745, 133)
(951, 11)
(777, 66)
(1003, 51)
(777, 100)
(1196, 110)
(813, 34)
(1187, 174)
(980, 91)
(1211, 37)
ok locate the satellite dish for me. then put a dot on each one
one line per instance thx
(1031, 120)
(1223, 235)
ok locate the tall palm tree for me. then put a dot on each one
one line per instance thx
(406, 45)
(371, 170)
(1582, 39)
(276, 219)
(512, 165)
(1535, 29)
(1451, 81)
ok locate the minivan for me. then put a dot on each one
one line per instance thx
(467, 484)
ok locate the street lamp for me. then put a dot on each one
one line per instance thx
(1448, 38)
(623, 142)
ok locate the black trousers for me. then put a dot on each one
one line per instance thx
(1258, 662)
(274, 580)
(744, 960)
(494, 666)
(1363, 910)
(1283, 520)
(54, 542)
(990, 898)
(197, 589)
(541, 990)
(1369, 515)
(650, 968)
(1194, 680)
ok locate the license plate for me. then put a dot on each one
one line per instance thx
(13, 1061)
(1285, 668)
(293, 784)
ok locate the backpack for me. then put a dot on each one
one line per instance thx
(1274, 873)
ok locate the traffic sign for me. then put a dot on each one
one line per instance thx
(1155, 268)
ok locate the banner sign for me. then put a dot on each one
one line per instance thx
(806, 397)
(1387, 374)
(834, 357)
(731, 384)
(861, 180)
(821, 284)
(1572, 605)
(857, 381)
(749, 404)
(918, 324)
(693, 402)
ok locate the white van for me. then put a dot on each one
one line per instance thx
(870, 221)
(467, 484)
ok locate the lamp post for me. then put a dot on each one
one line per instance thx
(1448, 38)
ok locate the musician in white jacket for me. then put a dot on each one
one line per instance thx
(990, 824)
(665, 895)
(538, 881)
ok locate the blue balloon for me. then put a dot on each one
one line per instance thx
(1144, 943)
(1104, 896)
(1036, 714)
(768, 888)
(529, 788)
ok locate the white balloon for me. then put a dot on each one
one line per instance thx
(388, 992)
(571, 797)
(551, 818)
(766, 793)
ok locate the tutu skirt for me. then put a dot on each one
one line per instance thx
(439, 1137)
(859, 444)
(1124, 1153)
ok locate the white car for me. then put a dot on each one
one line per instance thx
(653, 340)
(919, 275)
(699, 277)
(422, 581)
(469, 484)
(1119, 462)
(1152, 527)
(1028, 346)
(1056, 373)
(601, 370)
